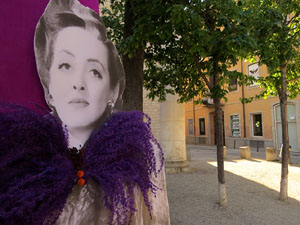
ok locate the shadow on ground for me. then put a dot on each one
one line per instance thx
(193, 200)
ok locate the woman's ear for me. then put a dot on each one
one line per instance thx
(115, 93)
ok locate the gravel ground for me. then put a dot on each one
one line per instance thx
(252, 189)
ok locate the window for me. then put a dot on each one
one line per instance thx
(233, 85)
(253, 70)
(235, 130)
(257, 124)
(201, 126)
(191, 127)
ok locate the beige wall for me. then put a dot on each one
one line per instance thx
(152, 108)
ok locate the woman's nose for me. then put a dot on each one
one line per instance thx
(79, 81)
(79, 87)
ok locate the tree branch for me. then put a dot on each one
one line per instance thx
(295, 16)
(295, 79)
(296, 33)
(207, 82)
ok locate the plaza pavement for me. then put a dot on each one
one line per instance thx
(193, 196)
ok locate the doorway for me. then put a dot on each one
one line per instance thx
(292, 126)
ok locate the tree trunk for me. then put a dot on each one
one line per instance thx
(134, 66)
(133, 93)
(283, 196)
(220, 153)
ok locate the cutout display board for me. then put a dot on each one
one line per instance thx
(79, 68)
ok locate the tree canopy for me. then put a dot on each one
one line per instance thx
(277, 29)
(185, 43)
(133, 25)
(203, 39)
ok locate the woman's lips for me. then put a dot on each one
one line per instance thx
(79, 101)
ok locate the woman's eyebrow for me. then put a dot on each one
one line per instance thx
(67, 52)
(96, 61)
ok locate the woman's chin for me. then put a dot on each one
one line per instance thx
(80, 125)
(81, 120)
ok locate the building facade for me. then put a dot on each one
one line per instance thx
(256, 124)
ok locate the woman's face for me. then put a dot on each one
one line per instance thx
(79, 77)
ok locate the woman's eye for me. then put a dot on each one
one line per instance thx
(65, 66)
(96, 73)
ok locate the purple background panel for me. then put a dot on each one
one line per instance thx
(19, 81)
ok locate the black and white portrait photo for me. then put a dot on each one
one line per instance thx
(79, 68)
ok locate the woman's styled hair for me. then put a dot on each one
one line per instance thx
(61, 14)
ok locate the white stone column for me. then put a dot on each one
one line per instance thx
(152, 109)
(172, 133)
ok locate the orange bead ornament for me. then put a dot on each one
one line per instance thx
(80, 173)
(81, 181)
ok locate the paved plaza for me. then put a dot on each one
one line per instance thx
(252, 188)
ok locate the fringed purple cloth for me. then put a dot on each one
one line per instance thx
(37, 175)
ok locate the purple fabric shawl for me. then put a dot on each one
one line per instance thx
(37, 176)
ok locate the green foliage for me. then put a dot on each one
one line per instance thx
(190, 45)
(113, 18)
(189, 42)
(293, 70)
(205, 39)
(277, 28)
(149, 23)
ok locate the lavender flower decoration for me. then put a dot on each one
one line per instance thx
(37, 175)
(121, 156)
